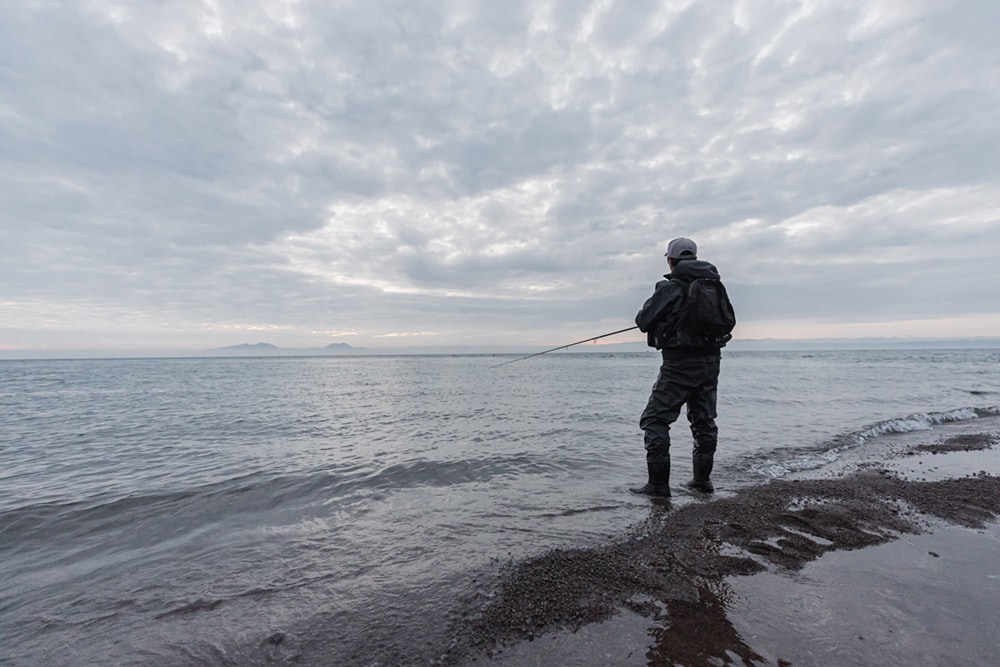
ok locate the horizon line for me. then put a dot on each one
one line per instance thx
(25, 354)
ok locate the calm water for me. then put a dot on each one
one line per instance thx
(183, 511)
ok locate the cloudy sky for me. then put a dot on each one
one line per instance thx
(187, 174)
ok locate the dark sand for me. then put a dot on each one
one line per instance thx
(677, 591)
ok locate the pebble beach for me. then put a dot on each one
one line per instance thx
(872, 565)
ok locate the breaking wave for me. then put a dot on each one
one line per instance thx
(782, 462)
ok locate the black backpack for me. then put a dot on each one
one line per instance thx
(707, 313)
(705, 318)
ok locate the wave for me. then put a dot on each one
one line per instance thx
(779, 463)
(923, 422)
(253, 493)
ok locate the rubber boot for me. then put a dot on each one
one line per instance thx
(702, 464)
(659, 480)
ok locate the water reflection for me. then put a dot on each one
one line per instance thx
(698, 632)
(691, 625)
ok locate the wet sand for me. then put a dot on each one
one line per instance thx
(875, 565)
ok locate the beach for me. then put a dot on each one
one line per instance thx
(890, 562)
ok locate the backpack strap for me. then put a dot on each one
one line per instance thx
(659, 336)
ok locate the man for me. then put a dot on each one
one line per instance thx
(689, 373)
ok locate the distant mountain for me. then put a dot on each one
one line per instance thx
(269, 350)
(247, 347)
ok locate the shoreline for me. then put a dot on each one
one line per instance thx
(699, 583)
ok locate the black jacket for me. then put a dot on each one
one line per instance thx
(659, 316)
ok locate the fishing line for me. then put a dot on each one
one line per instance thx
(563, 347)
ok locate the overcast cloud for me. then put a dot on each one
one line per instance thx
(204, 173)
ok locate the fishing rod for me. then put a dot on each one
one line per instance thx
(563, 347)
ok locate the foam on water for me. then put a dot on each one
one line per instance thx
(781, 463)
(923, 422)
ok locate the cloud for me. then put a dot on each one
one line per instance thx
(488, 171)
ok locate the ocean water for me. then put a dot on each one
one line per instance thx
(347, 510)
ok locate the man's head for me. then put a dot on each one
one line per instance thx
(680, 249)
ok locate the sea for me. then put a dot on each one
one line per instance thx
(353, 510)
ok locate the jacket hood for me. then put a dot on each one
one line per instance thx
(694, 268)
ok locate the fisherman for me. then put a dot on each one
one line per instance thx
(689, 373)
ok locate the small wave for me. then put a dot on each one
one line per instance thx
(257, 492)
(923, 422)
(202, 604)
(581, 510)
(780, 463)
(447, 473)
